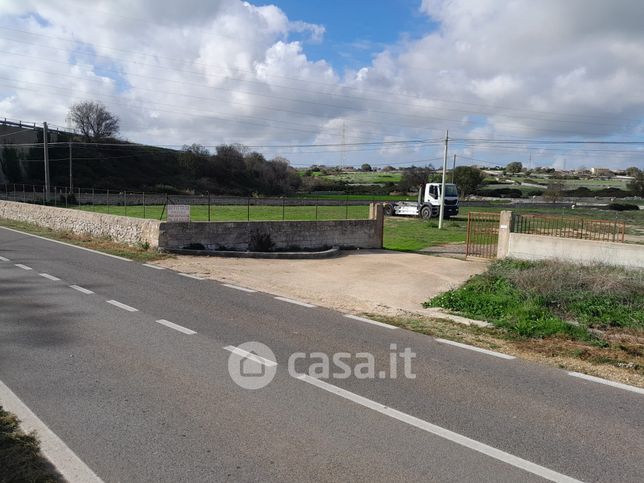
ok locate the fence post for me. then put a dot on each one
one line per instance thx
(346, 205)
(317, 202)
(24, 195)
(79, 197)
(143, 194)
(33, 188)
(43, 196)
(108, 202)
(125, 202)
(248, 209)
(93, 205)
(283, 210)
(208, 205)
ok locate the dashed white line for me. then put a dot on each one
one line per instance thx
(243, 289)
(67, 463)
(50, 277)
(619, 385)
(441, 432)
(475, 349)
(296, 302)
(250, 355)
(174, 326)
(156, 267)
(120, 305)
(24, 267)
(369, 321)
(81, 289)
(3, 259)
(189, 275)
(67, 244)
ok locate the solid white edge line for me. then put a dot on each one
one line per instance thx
(236, 287)
(369, 321)
(68, 464)
(3, 259)
(475, 349)
(67, 244)
(441, 432)
(250, 355)
(296, 302)
(189, 275)
(156, 267)
(24, 267)
(50, 277)
(120, 305)
(174, 326)
(619, 385)
(81, 289)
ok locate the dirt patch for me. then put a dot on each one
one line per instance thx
(389, 283)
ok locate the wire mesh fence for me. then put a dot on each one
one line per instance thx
(482, 237)
(558, 226)
(203, 207)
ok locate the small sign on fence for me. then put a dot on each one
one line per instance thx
(178, 213)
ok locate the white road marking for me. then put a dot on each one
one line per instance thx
(24, 267)
(174, 326)
(189, 275)
(619, 385)
(369, 321)
(3, 259)
(68, 464)
(243, 289)
(120, 305)
(250, 355)
(476, 349)
(441, 432)
(67, 244)
(50, 277)
(81, 289)
(296, 302)
(156, 267)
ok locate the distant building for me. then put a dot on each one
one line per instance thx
(601, 172)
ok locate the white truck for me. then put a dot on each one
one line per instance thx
(428, 204)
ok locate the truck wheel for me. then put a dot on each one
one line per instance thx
(388, 210)
(426, 213)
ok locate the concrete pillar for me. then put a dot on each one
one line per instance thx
(505, 225)
(376, 212)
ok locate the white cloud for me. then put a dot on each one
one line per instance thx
(230, 71)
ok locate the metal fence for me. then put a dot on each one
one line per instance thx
(558, 226)
(203, 207)
(482, 234)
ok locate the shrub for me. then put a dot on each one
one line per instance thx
(623, 207)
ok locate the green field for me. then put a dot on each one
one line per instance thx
(241, 212)
(364, 177)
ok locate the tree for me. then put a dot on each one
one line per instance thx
(94, 121)
(414, 177)
(193, 157)
(468, 179)
(514, 167)
(365, 167)
(632, 171)
(637, 185)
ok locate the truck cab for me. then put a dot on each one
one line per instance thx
(428, 203)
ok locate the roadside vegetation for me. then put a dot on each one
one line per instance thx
(592, 313)
(20, 456)
(137, 253)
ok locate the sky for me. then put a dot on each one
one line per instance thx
(549, 83)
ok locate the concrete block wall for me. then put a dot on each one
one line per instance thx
(541, 247)
(284, 234)
(131, 231)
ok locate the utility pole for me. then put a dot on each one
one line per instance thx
(442, 209)
(71, 183)
(453, 169)
(45, 136)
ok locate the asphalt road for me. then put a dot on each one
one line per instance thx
(137, 400)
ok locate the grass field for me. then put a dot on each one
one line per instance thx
(364, 177)
(241, 212)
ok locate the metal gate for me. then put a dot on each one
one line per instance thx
(482, 234)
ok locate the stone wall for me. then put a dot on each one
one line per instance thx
(131, 231)
(285, 235)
